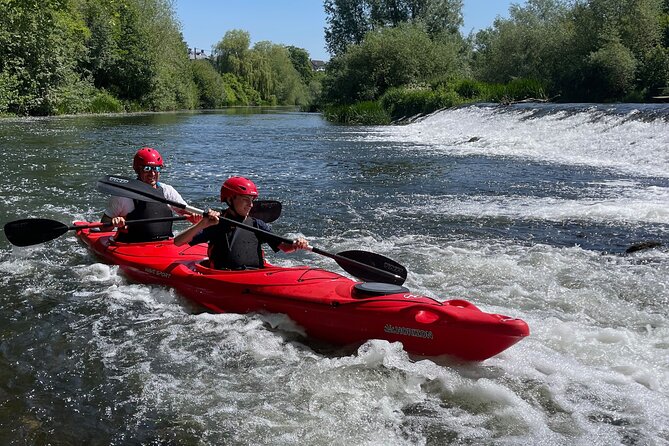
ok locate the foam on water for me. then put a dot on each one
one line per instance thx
(628, 206)
(612, 142)
(593, 369)
(141, 362)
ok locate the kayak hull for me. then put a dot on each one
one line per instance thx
(326, 305)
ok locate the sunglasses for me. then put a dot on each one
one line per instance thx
(150, 168)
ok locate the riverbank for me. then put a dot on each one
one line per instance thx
(406, 104)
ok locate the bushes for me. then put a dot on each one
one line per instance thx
(104, 102)
(362, 113)
(388, 58)
(611, 71)
(516, 90)
(8, 91)
(72, 98)
(212, 92)
(407, 102)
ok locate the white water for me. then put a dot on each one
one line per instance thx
(594, 371)
(582, 139)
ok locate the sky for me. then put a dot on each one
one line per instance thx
(298, 23)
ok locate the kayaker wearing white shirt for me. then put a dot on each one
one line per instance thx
(148, 164)
(229, 246)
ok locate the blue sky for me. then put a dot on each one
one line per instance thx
(290, 22)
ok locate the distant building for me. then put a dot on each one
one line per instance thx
(194, 53)
(317, 65)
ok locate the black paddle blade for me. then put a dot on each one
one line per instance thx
(129, 188)
(266, 210)
(376, 261)
(32, 231)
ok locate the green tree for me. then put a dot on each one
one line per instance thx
(40, 50)
(531, 43)
(611, 69)
(348, 21)
(231, 53)
(266, 73)
(299, 57)
(607, 30)
(664, 24)
(442, 16)
(56, 53)
(210, 85)
(289, 86)
(172, 86)
(389, 57)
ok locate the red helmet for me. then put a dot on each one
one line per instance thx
(146, 156)
(238, 186)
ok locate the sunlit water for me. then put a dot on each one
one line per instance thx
(525, 211)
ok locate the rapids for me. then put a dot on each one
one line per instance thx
(524, 210)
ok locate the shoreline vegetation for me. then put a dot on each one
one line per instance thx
(391, 61)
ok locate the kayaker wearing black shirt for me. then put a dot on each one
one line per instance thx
(147, 163)
(229, 246)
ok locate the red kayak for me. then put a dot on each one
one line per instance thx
(328, 306)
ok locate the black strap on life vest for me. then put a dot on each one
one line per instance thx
(151, 231)
(238, 249)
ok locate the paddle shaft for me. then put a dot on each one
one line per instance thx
(339, 259)
(135, 188)
(127, 222)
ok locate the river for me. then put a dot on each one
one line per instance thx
(524, 210)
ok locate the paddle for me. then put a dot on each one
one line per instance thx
(32, 231)
(366, 266)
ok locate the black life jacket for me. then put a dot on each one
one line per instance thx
(151, 231)
(237, 248)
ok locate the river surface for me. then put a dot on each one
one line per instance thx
(525, 211)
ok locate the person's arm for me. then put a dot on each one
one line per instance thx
(116, 211)
(298, 243)
(172, 194)
(188, 235)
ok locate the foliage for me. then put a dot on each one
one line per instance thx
(350, 20)
(39, 51)
(59, 54)
(77, 56)
(299, 57)
(589, 50)
(173, 86)
(230, 54)
(239, 92)
(530, 43)
(361, 113)
(613, 65)
(103, 102)
(210, 85)
(8, 91)
(71, 98)
(390, 57)
(276, 74)
(286, 83)
(403, 103)
(653, 74)
(406, 103)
